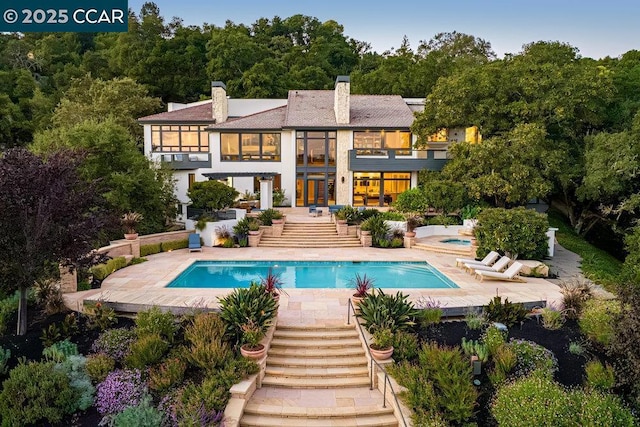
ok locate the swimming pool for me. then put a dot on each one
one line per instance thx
(461, 242)
(311, 274)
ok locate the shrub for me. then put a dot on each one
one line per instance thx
(8, 306)
(98, 366)
(244, 304)
(530, 401)
(51, 335)
(552, 318)
(412, 200)
(146, 351)
(574, 295)
(443, 220)
(120, 390)
(533, 357)
(114, 343)
(213, 195)
(576, 348)
(444, 195)
(173, 245)
(361, 284)
(241, 229)
(150, 249)
(598, 319)
(167, 374)
(267, 216)
(207, 350)
(379, 229)
(101, 271)
(34, 393)
(518, 233)
(49, 296)
(141, 415)
(397, 242)
(350, 214)
(405, 346)
(74, 367)
(494, 338)
(381, 311)
(600, 409)
(431, 311)
(100, 316)
(182, 409)
(155, 321)
(504, 361)
(59, 351)
(474, 319)
(505, 312)
(5, 355)
(599, 376)
(440, 384)
(393, 216)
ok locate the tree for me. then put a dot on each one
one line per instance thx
(412, 200)
(131, 181)
(445, 196)
(213, 195)
(48, 215)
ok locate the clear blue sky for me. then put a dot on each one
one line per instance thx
(597, 28)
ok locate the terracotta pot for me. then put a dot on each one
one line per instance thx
(342, 221)
(356, 300)
(381, 354)
(256, 354)
(131, 236)
(410, 234)
(277, 221)
(254, 233)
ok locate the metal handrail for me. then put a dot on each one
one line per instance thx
(350, 307)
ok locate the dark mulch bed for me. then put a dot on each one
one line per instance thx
(570, 366)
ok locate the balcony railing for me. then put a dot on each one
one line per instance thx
(386, 160)
(183, 161)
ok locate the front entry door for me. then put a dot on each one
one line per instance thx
(316, 192)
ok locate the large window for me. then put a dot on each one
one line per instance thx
(376, 143)
(316, 149)
(379, 188)
(250, 147)
(179, 138)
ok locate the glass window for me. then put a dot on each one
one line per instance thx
(177, 138)
(377, 142)
(250, 146)
(379, 189)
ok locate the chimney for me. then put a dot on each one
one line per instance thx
(341, 103)
(219, 103)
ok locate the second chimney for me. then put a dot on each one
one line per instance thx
(341, 103)
(219, 103)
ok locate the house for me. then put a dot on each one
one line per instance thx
(322, 147)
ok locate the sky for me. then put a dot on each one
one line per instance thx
(596, 28)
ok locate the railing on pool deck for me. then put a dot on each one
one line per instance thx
(350, 309)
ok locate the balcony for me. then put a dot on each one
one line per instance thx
(184, 161)
(380, 160)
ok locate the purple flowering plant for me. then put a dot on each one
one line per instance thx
(120, 390)
(114, 343)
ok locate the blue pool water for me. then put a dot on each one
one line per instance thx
(462, 242)
(311, 274)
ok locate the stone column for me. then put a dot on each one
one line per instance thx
(409, 242)
(68, 280)
(266, 193)
(342, 228)
(366, 240)
(135, 247)
(276, 229)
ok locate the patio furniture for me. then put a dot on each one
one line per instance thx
(500, 265)
(511, 274)
(314, 211)
(488, 260)
(194, 242)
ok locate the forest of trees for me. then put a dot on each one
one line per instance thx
(556, 126)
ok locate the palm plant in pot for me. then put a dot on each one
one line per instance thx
(413, 222)
(129, 221)
(382, 346)
(252, 334)
(361, 285)
(272, 284)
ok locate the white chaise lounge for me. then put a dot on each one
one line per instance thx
(500, 265)
(488, 260)
(511, 274)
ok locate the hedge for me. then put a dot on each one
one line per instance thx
(153, 248)
(173, 245)
(101, 271)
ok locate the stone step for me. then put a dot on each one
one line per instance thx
(309, 245)
(297, 327)
(318, 334)
(313, 353)
(316, 238)
(439, 249)
(285, 421)
(317, 383)
(310, 362)
(316, 344)
(316, 372)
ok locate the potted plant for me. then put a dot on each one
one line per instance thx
(252, 334)
(382, 346)
(413, 222)
(254, 227)
(277, 217)
(365, 227)
(129, 222)
(361, 285)
(341, 216)
(272, 284)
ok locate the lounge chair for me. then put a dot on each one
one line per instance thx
(488, 260)
(313, 210)
(511, 274)
(194, 242)
(500, 265)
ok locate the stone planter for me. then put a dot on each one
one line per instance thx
(410, 234)
(381, 354)
(131, 236)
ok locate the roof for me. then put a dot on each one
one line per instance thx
(199, 113)
(314, 109)
(266, 120)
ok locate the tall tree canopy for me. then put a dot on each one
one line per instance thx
(48, 214)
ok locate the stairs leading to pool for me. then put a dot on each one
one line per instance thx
(433, 244)
(309, 235)
(316, 376)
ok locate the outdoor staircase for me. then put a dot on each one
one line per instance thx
(319, 377)
(310, 235)
(463, 251)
